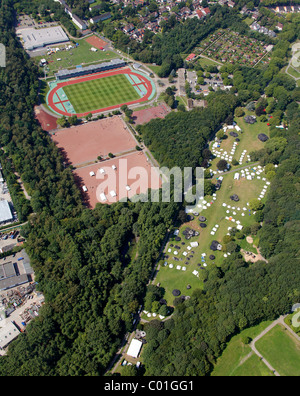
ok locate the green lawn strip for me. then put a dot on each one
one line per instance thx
(294, 72)
(154, 68)
(181, 100)
(253, 367)
(171, 279)
(281, 350)
(207, 62)
(230, 363)
(100, 93)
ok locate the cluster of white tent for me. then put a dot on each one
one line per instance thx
(231, 127)
(264, 190)
(203, 204)
(220, 153)
(154, 315)
(233, 211)
(171, 266)
(215, 229)
(243, 156)
(250, 173)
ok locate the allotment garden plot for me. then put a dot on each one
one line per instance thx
(226, 46)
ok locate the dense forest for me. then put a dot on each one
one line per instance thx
(183, 146)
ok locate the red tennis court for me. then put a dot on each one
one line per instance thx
(84, 143)
(96, 42)
(131, 171)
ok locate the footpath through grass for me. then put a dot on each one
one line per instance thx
(281, 350)
(238, 359)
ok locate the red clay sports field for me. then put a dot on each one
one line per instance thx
(61, 105)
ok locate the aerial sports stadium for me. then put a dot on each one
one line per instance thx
(98, 88)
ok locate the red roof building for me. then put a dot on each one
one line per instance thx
(191, 57)
(200, 14)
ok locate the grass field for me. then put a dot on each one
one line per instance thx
(81, 55)
(171, 278)
(237, 359)
(100, 93)
(281, 350)
(294, 72)
(249, 138)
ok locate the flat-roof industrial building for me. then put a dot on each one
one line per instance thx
(38, 38)
(7, 334)
(16, 273)
(82, 71)
(6, 215)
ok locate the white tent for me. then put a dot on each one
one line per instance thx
(103, 197)
(135, 348)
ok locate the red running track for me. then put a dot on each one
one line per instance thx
(90, 77)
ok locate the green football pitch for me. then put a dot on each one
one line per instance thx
(100, 93)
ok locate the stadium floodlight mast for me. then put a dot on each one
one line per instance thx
(46, 69)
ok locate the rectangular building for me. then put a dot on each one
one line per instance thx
(38, 38)
(5, 213)
(83, 71)
(7, 334)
